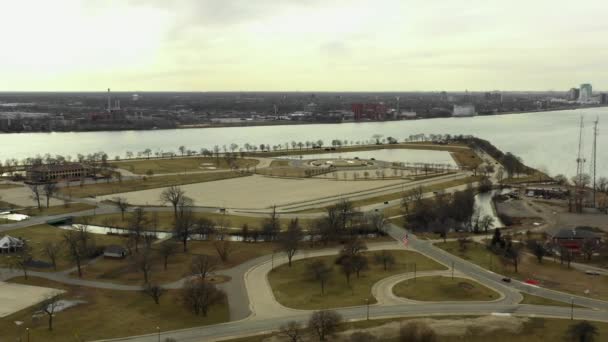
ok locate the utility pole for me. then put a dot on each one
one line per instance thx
(594, 158)
(580, 163)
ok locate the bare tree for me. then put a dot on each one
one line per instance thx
(324, 323)
(154, 291)
(290, 239)
(77, 244)
(143, 263)
(354, 246)
(52, 250)
(137, 224)
(49, 305)
(224, 249)
(35, 189)
(122, 204)
(22, 259)
(385, 258)
(292, 330)
(199, 296)
(417, 332)
(320, 272)
(359, 263)
(49, 190)
(173, 195)
(185, 221)
(166, 250)
(203, 265)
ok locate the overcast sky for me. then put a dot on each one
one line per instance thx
(321, 45)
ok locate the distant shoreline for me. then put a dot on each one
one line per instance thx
(294, 123)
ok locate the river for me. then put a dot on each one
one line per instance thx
(546, 140)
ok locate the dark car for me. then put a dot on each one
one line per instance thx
(506, 280)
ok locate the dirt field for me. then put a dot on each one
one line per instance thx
(16, 297)
(257, 191)
(21, 196)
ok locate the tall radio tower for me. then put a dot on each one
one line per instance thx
(580, 161)
(594, 156)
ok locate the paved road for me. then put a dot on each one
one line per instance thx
(268, 319)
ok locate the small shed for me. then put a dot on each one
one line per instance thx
(10, 244)
(114, 252)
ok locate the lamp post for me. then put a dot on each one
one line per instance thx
(27, 332)
(158, 332)
(367, 305)
(571, 308)
(452, 270)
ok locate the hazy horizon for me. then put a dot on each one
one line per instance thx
(306, 45)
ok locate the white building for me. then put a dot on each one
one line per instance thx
(586, 93)
(464, 110)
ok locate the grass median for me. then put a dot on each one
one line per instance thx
(294, 287)
(107, 188)
(439, 288)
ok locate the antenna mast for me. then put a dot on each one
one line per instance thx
(580, 161)
(594, 157)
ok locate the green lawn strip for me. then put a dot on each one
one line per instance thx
(9, 186)
(57, 210)
(551, 274)
(166, 220)
(37, 236)
(536, 300)
(185, 164)
(438, 288)
(105, 188)
(106, 314)
(295, 288)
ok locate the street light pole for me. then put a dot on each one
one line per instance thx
(571, 308)
(414, 272)
(27, 331)
(158, 331)
(452, 270)
(367, 304)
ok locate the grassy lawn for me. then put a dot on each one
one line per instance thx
(551, 275)
(295, 288)
(103, 188)
(536, 300)
(106, 314)
(123, 272)
(57, 210)
(438, 289)
(166, 220)
(160, 166)
(36, 236)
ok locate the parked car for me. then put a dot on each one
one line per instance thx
(595, 273)
(506, 280)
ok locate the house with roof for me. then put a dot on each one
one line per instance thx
(10, 244)
(574, 238)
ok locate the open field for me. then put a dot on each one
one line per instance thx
(57, 209)
(166, 220)
(182, 164)
(106, 314)
(16, 297)
(22, 197)
(257, 191)
(460, 329)
(37, 236)
(103, 188)
(438, 288)
(550, 274)
(123, 272)
(536, 300)
(294, 287)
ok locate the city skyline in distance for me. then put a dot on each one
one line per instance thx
(400, 46)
